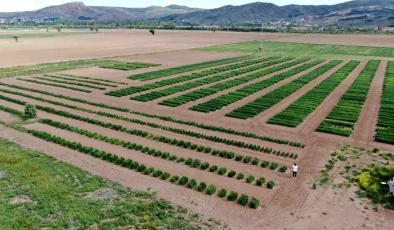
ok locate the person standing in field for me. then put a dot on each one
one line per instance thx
(295, 169)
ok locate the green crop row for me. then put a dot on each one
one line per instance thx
(187, 68)
(133, 165)
(385, 127)
(137, 89)
(232, 97)
(12, 111)
(153, 125)
(204, 92)
(109, 64)
(62, 77)
(265, 102)
(55, 85)
(102, 105)
(342, 119)
(165, 118)
(69, 83)
(194, 163)
(94, 79)
(297, 112)
(191, 85)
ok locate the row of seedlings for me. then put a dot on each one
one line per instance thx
(192, 85)
(232, 97)
(193, 163)
(265, 102)
(298, 111)
(344, 116)
(164, 118)
(74, 79)
(94, 79)
(148, 171)
(184, 78)
(204, 92)
(49, 79)
(385, 126)
(55, 85)
(182, 69)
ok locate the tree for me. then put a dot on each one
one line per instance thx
(91, 29)
(59, 29)
(30, 111)
(16, 38)
(96, 29)
(152, 32)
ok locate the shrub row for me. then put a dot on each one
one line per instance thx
(204, 92)
(134, 165)
(385, 127)
(55, 85)
(95, 79)
(193, 163)
(344, 116)
(232, 97)
(265, 102)
(184, 78)
(166, 118)
(187, 68)
(68, 78)
(297, 112)
(191, 85)
(69, 83)
(102, 105)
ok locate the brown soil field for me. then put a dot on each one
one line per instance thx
(292, 204)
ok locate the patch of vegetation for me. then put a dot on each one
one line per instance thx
(30, 111)
(45, 198)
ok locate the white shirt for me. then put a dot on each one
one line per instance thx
(295, 168)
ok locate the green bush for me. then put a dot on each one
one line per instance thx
(204, 166)
(260, 181)
(174, 179)
(240, 176)
(30, 111)
(213, 168)
(232, 174)
(165, 176)
(202, 187)
(274, 166)
(157, 173)
(211, 189)
(254, 203)
(243, 200)
(250, 179)
(247, 159)
(149, 171)
(183, 180)
(255, 161)
(196, 163)
(192, 183)
(222, 193)
(283, 169)
(271, 184)
(189, 161)
(222, 171)
(239, 158)
(232, 196)
(230, 155)
(141, 168)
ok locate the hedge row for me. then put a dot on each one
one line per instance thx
(204, 92)
(298, 111)
(182, 69)
(191, 85)
(232, 97)
(95, 79)
(165, 118)
(344, 116)
(69, 83)
(102, 105)
(55, 85)
(270, 99)
(67, 78)
(134, 165)
(194, 163)
(385, 127)
(184, 78)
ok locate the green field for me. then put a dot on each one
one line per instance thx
(271, 48)
(38, 192)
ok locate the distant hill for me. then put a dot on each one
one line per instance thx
(78, 11)
(356, 12)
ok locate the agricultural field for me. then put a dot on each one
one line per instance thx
(216, 135)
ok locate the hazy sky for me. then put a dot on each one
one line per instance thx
(24, 5)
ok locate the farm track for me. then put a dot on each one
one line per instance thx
(366, 124)
(313, 120)
(263, 117)
(260, 93)
(201, 100)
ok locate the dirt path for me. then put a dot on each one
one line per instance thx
(263, 117)
(366, 125)
(313, 120)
